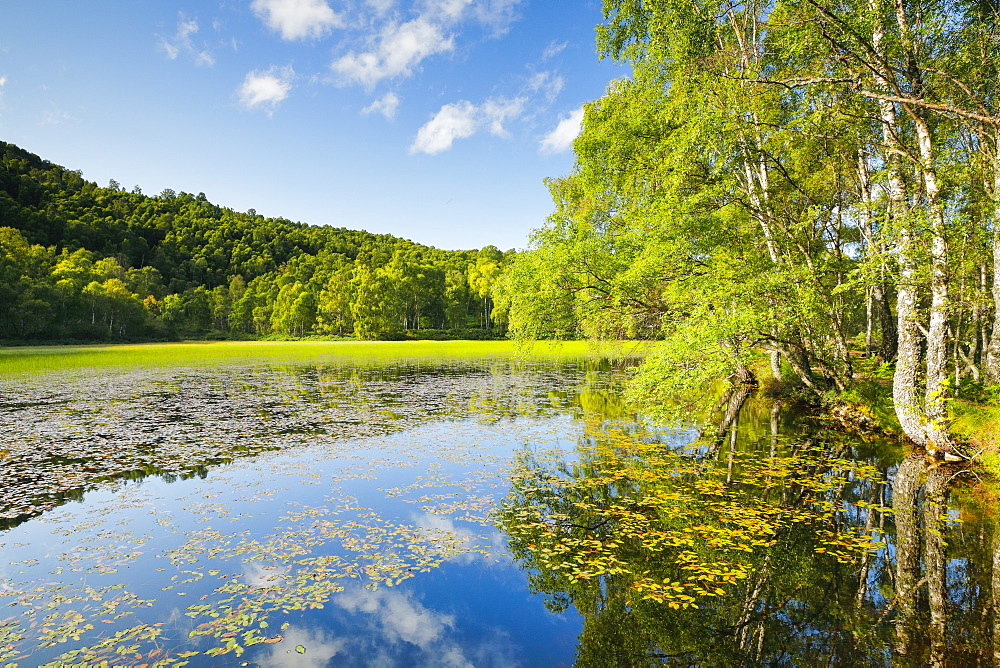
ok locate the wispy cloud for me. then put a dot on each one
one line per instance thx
(449, 11)
(398, 47)
(260, 576)
(404, 630)
(398, 51)
(381, 6)
(548, 84)
(385, 105)
(181, 40)
(451, 122)
(463, 119)
(182, 43)
(57, 117)
(497, 111)
(320, 649)
(561, 138)
(498, 15)
(297, 19)
(265, 89)
(400, 617)
(553, 50)
(488, 549)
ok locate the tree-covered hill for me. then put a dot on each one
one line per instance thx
(86, 262)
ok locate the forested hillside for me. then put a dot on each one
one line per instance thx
(79, 261)
(820, 180)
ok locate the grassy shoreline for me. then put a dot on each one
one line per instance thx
(25, 360)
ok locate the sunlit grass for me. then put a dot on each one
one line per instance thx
(979, 424)
(27, 360)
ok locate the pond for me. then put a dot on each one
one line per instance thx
(466, 510)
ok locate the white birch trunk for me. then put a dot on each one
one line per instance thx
(991, 365)
(937, 437)
(905, 395)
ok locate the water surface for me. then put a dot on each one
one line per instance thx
(485, 511)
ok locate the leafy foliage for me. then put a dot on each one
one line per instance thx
(84, 262)
(786, 177)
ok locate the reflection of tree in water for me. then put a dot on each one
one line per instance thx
(84, 432)
(757, 548)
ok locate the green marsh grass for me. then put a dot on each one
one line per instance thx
(28, 360)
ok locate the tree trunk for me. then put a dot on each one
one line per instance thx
(992, 366)
(937, 437)
(905, 397)
(869, 321)
(995, 595)
(799, 363)
(879, 298)
(905, 487)
(736, 400)
(935, 500)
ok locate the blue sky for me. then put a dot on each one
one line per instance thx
(433, 120)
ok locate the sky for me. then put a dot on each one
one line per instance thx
(433, 120)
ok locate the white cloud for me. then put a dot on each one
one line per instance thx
(400, 48)
(297, 19)
(57, 117)
(553, 50)
(182, 39)
(385, 105)
(451, 122)
(489, 549)
(448, 10)
(463, 119)
(265, 89)
(561, 139)
(399, 617)
(497, 14)
(497, 111)
(261, 576)
(320, 648)
(3, 81)
(549, 84)
(381, 6)
(182, 43)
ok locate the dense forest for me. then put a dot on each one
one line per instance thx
(817, 180)
(82, 262)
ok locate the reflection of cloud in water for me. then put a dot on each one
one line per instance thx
(397, 624)
(385, 629)
(492, 544)
(261, 575)
(399, 617)
(320, 648)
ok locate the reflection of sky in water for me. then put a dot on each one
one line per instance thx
(434, 484)
(381, 477)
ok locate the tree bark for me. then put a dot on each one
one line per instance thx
(995, 595)
(935, 506)
(878, 305)
(992, 366)
(905, 396)
(905, 487)
(936, 430)
(732, 414)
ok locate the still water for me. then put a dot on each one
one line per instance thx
(490, 511)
